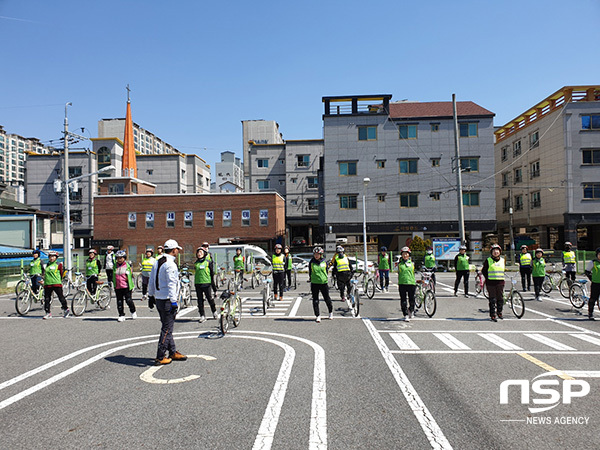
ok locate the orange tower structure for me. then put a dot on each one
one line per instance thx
(129, 164)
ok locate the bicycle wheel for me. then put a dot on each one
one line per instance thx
(253, 281)
(547, 285)
(419, 297)
(333, 282)
(516, 304)
(79, 303)
(66, 285)
(370, 288)
(478, 287)
(138, 282)
(564, 287)
(237, 311)
(430, 303)
(23, 302)
(104, 297)
(556, 277)
(356, 303)
(265, 300)
(294, 281)
(224, 320)
(576, 296)
(486, 294)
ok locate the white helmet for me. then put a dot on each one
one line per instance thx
(171, 244)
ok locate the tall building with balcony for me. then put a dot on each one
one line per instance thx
(144, 142)
(229, 174)
(259, 132)
(548, 171)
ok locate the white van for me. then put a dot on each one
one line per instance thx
(223, 255)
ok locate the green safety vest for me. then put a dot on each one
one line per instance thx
(238, 262)
(496, 269)
(596, 272)
(406, 272)
(462, 263)
(318, 273)
(129, 276)
(278, 263)
(539, 267)
(52, 275)
(202, 274)
(342, 264)
(35, 267)
(429, 261)
(147, 264)
(289, 262)
(91, 267)
(569, 257)
(525, 259)
(384, 262)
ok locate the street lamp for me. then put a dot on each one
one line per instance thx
(366, 182)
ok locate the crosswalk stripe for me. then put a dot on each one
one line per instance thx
(404, 342)
(549, 342)
(451, 341)
(500, 342)
(587, 338)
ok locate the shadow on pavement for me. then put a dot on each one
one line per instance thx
(128, 361)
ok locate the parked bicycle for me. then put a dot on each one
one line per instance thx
(235, 282)
(371, 283)
(81, 298)
(557, 280)
(71, 286)
(480, 283)
(221, 276)
(514, 297)
(425, 296)
(185, 294)
(231, 310)
(354, 297)
(27, 297)
(255, 278)
(267, 293)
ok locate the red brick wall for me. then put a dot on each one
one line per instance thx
(111, 218)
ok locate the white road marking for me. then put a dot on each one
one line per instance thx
(295, 307)
(500, 342)
(549, 342)
(582, 373)
(586, 337)
(476, 352)
(451, 341)
(428, 424)
(185, 311)
(476, 331)
(404, 342)
(148, 375)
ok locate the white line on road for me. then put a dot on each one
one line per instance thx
(428, 424)
(500, 342)
(475, 352)
(586, 337)
(295, 307)
(451, 341)
(404, 342)
(547, 341)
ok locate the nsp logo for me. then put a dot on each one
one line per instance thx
(549, 390)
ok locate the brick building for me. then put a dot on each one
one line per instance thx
(135, 222)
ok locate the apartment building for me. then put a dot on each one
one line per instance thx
(229, 174)
(259, 132)
(144, 141)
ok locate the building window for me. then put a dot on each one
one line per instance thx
(534, 139)
(518, 202)
(131, 220)
(149, 220)
(209, 219)
(381, 198)
(294, 202)
(435, 196)
(281, 182)
(226, 218)
(468, 129)
(435, 127)
(313, 182)
(534, 169)
(76, 216)
(303, 160)
(518, 175)
(516, 149)
(103, 160)
(469, 164)
(282, 161)
(536, 200)
(435, 162)
(408, 165)
(504, 153)
(505, 179)
(188, 219)
(116, 188)
(313, 204)
(506, 205)
(409, 200)
(171, 219)
(150, 171)
(347, 168)
(407, 131)
(591, 122)
(264, 217)
(263, 184)
(381, 164)
(348, 201)
(591, 157)
(262, 163)
(368, 133)
(294, 180)
(591, 191)
(471, 198)
(246, 218)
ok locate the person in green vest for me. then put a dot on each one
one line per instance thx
(92, 269)
(288, 267)
(493, 271)
(122, 281)
(317, 274)
(525, 268)
(53, 283)
(148, 261)
(406, 283)
(384, 264)
(239, 264)
(278, 261)
(568, 260)
(538, 272)
(36, 271)
(344, 270)
(429, 263)
(461, 262)
(592, 271)
(204, 281)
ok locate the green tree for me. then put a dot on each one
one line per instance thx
(417, 244)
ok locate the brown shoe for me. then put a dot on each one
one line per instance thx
(162, 362)
(178, 356)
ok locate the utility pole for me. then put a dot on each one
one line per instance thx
(510, 224)
(459, 194)
(67, 209)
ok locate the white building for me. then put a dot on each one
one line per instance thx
(145, 142)
(229, 174)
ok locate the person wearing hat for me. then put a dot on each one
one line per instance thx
(148, 261)
(429, 263)
(344, 270)
(53, 283)
(569, 260)
(525, 268)
(239, 263)
(278, 261)
(109, 263)
(592, 271)
(406, 283)
(163, 289)
(288, 267)
(317, 274)
(204, 281)
(205, 246)
(493, 271)
(36, 271)
(160, 252)
(461, 262)
(384, 265)
(92, 269)
(123, 282)
(538, 272)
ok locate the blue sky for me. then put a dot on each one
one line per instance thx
(198, 68)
